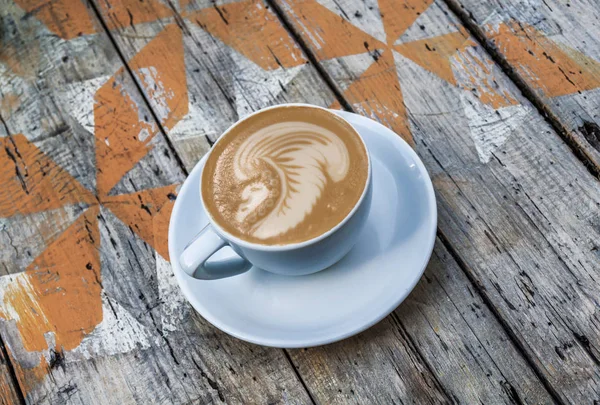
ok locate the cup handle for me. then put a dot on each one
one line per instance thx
(205, 244)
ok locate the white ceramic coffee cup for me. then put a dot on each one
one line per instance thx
(292, 259)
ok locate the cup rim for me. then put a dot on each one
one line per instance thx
(297, 245)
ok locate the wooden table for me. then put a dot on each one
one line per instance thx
(106, 105)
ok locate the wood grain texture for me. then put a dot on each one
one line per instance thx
(517, 207)
(89, 308)
(552, 47)
(148, 346)
(447, 323)
(332, 373)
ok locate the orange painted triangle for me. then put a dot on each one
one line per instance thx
(122, 134)
(433, 54)
(142, 213)
(251, 29)
(125, 13)
(31, 182)
(160, 69)
(328, 34)
(60, 290)
(66, 18)
(399, 15)
(553, 69)
(376, 94)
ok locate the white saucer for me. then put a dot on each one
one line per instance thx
(354, 294)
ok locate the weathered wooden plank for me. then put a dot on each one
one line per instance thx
(517, 206)
(449, 325)
(89, 309)
(553, 48)
(387, 352)
(459, 336)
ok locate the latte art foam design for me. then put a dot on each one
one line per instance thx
(287, 166)
(284, 175)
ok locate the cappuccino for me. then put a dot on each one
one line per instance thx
(285, 175)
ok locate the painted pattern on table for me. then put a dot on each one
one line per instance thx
(369, 46)
(57, 302)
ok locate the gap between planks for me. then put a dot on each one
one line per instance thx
(298, 376)
(466, 18)
(461, 263)
(419, 353)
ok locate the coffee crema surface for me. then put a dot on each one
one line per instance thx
(285, 175)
